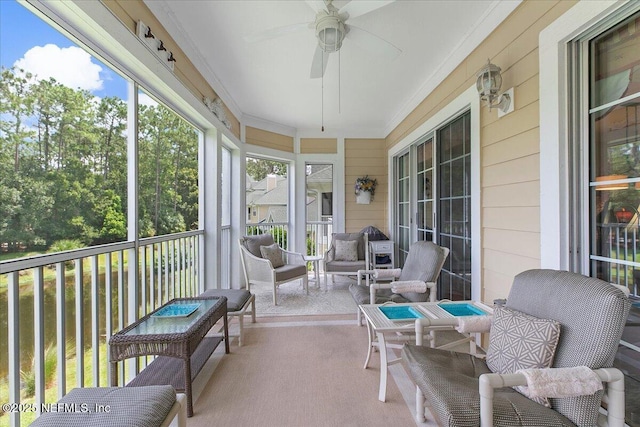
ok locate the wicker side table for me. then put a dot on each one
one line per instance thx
(180, 342)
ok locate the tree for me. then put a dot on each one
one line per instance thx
(258, 169)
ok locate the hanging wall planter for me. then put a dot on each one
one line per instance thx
(363, 198)
(365, 188)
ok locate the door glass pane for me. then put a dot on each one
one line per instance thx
(424, 190)
(614, 190)
(454, 208)
(402, 209)
(614, 120)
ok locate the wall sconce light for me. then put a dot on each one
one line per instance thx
(488, 85)
(611, 183)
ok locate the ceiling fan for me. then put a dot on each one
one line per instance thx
(331, 29)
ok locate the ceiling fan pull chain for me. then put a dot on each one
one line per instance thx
(339, 85)
(322, 95)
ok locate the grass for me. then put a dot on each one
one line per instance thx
(51, 391)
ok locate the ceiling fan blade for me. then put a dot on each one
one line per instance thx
(273, 33)
(358, 8)
(319, 63)
(372, 43)
(316, 5)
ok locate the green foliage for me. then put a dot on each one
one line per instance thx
(29, 377)
(311, 246)
(65, 245)
(280, 236)
(63, 166)
(258, 169)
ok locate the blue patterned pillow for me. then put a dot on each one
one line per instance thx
(521, 341)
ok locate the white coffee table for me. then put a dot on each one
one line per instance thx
(379, 325)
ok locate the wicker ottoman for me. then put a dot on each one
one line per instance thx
(151, 406)
(238, 302)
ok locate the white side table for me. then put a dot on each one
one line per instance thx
(315, 260)
(381, 247)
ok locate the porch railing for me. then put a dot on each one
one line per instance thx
(279, 230)
(621, 258)
(318, 234)
(318, 237)
(61, 308)
(226, 248)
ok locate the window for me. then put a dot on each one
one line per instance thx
(63, 146)
(267, 196)
(614, 154)
(319, 207)
(167, 170)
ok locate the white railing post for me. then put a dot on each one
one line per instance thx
(61, 341)
(108, 309)
(143, 278)
(95, 321)
(38, 331)
(79, 324)
(121, 375)
(13, 319)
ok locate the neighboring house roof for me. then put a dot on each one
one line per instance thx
(323, 173)
(262, 184)
(277, 196)
(276, 214)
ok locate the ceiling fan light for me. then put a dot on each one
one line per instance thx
(330, 33)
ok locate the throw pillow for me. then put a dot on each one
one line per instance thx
(273, 253)
(253, 243)
(521, 341)
(346, 250)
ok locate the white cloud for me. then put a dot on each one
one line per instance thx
(144, 99)
(70, 66)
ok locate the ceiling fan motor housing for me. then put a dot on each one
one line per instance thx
(330, 31)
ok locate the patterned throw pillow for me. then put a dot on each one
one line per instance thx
(273, 253)
(520, 341)
(346, 250)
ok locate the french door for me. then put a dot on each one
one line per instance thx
(433, 197)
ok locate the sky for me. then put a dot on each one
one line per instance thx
(28, 42)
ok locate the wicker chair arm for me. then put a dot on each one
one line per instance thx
(373, 287)
(257, 268)
(293, 258)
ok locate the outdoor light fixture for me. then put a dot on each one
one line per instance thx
(330, 32)
(611, 183)
(488, 85)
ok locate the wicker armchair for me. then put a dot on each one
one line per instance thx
(423, 265)
(335, 265)
(260, 270)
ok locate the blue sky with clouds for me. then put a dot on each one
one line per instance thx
(30, 43)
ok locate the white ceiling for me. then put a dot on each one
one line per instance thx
(267, 83)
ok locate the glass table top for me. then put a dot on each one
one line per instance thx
(180, 323)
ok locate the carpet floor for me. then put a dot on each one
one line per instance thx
(292, 299)
(300, 371)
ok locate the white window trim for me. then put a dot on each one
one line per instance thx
(468, 99)
(554, 139)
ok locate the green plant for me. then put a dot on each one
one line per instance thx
(29, 377)
(65, 245)
(366, 184)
